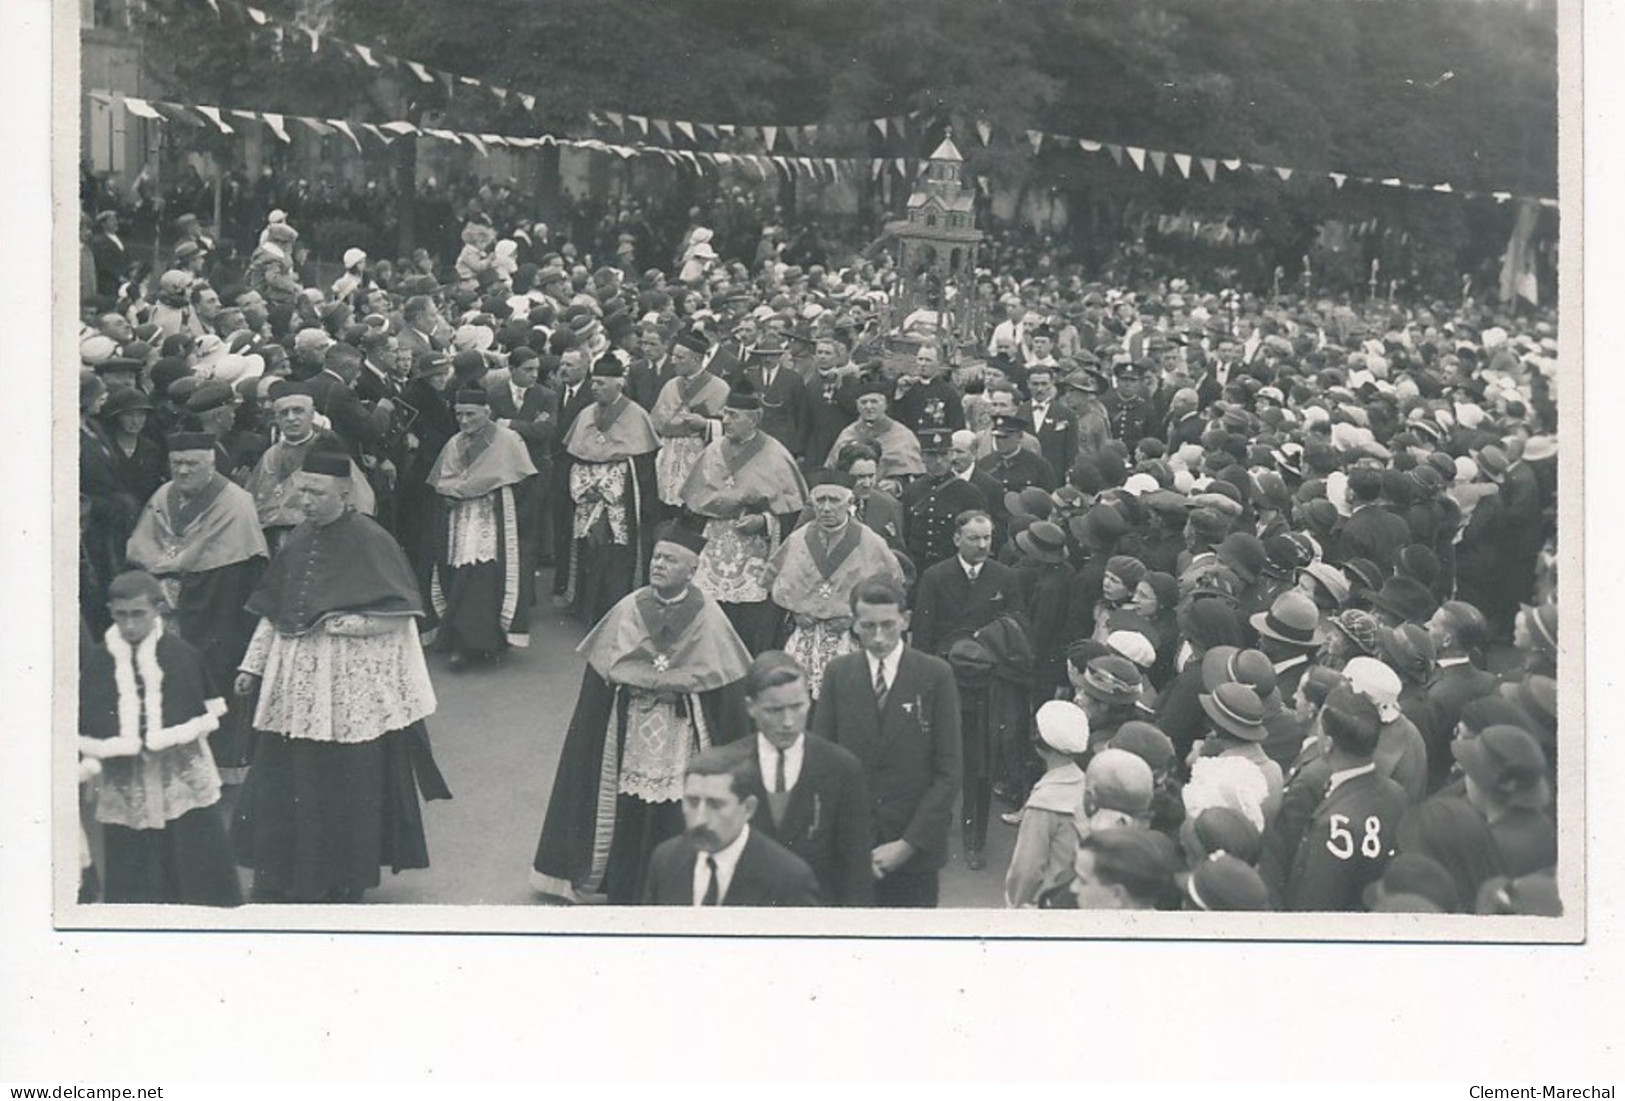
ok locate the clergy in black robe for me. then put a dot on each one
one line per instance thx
(748, 492)
(481, 595)
(661, 684)
(612, 447)
(341, 752)
(146, 710)
(200, 536)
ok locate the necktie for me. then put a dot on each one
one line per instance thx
(880, 687)
(779, 786)
(973, 571)
(713, 893)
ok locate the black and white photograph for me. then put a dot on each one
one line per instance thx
(922, 455)
(892, 470)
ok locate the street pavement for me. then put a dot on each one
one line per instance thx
(497, 736)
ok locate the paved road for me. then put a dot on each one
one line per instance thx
(497, 737)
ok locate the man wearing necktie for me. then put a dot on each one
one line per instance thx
(816, 800)
(718, 860)
(897, 711)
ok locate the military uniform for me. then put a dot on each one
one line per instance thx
(1015, 472)
(1132, 419)
(929, 507)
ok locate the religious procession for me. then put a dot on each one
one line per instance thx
(775, 561)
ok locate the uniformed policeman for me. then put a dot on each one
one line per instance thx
(1133, 417)
(931, 502)
(1009, 464)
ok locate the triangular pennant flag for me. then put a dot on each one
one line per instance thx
(1137, 155)
(1444, 187)
(468, 80)
(616, 119)
(806, 162)
(344, 128)
(443, 135)
(641, 123)
(876, 167)
(1233, 164)
(879, 124)
(1158, 161)
(1393, 181)
(256, 15)
(317, 127)
(213, 115)
(494, 139)
(721, 158)
(474, 140)
(707, 129)
(664, 128)
(897, 125)
(1498, 196)
(174, 112)
(686, 129)
(1036, 139)
(249, 115)
(1182, 161)
(1338, 179)
(447, 81)
(984, 130)
(215, 4)
(274, 121)
(1089, 146)
(1211, 167)
(727, 129)
(1284, 173)
(810, 133)
(401, 128)
(1116, 152)
(769, 136)
(500, 93)
(377, 132)
(420, 72)
(365, 54)
(1257, 168)
(528, 100)
(902, 166)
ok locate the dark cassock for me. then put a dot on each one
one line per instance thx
(812, 574)
(276, 493)
(612, 447)
(427, 406)
(481, 596)
(661, 684)
(341, 751)
(200, 537)
(748, 490)
(146, 711)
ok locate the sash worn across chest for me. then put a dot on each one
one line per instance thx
(664, 622)
(604, 417)
(183, 510)
(827, 556)
(690, 389)
(735, 456)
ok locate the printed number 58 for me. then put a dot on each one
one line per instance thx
(1341, 842)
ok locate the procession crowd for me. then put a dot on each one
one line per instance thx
(1219, 601)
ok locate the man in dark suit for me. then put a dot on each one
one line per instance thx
(956, 598)
(1458, 631)
(815, 799)
(961, 594)
(1054, 426)
(574, 397)
(359, 425)
(107, 248)
(651, 370)
(1371, 531)
(784, 395)
(832, 397)
(1352, 834)
(897, 711)
(718, 860)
